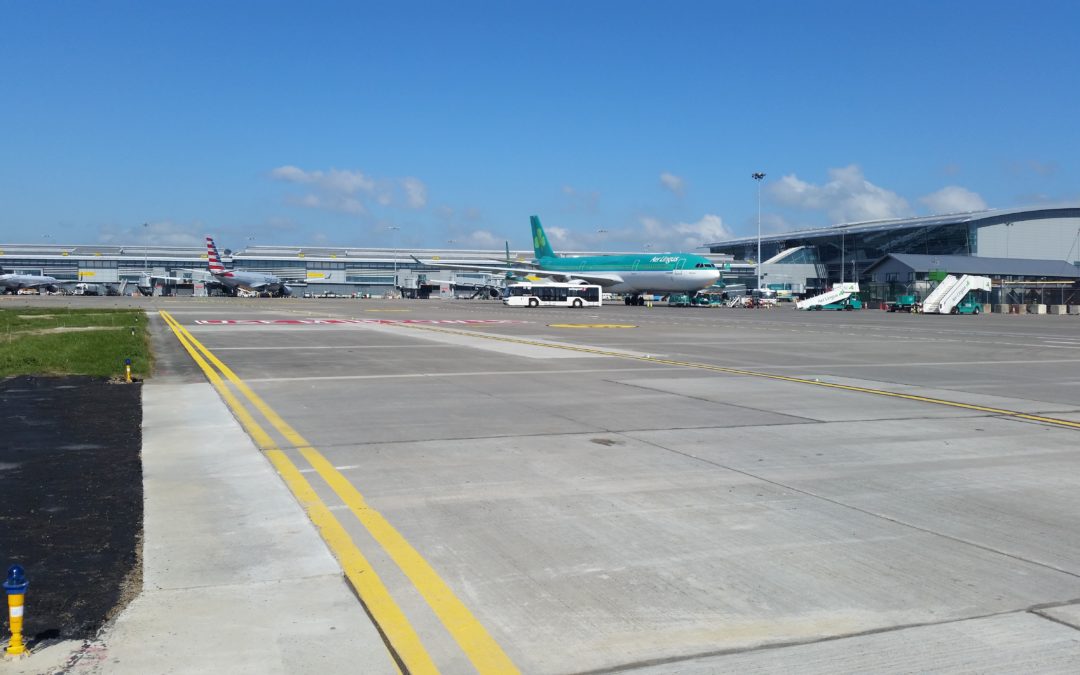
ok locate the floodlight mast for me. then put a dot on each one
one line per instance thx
(758, 177)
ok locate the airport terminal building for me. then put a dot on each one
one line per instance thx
(322, 270)
(348, 271)
(1032, 254)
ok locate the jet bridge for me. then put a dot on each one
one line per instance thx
(839, 293)
(951, 291)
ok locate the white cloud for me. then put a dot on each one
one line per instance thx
(953, 199)
(328, 202)
(558, 236)
(482, 239)
(672, 182)
(846, 197)
(415, 192)
(161, 233)
(683, 236)
(346, 191)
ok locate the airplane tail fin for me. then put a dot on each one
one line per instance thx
(540, 243)
(213, 260)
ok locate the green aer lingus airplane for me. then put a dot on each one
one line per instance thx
(632, 274)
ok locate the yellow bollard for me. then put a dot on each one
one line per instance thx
(15, 586)
(127, 370)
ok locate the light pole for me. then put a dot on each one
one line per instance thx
(394, 229)
(146, 244)
(758, 177)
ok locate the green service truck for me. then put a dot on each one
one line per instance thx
(967, 306)
(847, 304)
(904, 303)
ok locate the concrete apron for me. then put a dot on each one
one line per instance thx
(235, 577)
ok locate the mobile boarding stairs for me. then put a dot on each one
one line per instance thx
(839, 293)
(951, 292)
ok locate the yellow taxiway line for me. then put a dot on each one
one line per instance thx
(1042, 419)
(485, 654)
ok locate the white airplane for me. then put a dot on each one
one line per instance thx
(234, 281)
(13, 283)
(634, 275)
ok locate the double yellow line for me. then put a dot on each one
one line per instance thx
(406, 646)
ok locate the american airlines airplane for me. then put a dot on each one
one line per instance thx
(13, 283)
(233, 280)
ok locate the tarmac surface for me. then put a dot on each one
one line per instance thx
(618, 489)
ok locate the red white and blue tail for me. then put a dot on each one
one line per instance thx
(213, 260)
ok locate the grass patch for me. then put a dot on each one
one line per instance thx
(73, 342)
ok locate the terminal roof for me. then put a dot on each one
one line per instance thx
(992, 267)
(988, 217)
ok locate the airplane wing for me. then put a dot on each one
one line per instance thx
(526, 266)
(599, 278)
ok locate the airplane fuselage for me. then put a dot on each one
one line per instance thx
(255, 282)
(641, 273)
(13, 283)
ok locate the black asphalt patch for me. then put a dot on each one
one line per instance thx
(71, 499)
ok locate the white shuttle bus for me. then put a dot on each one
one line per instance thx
(527, 294)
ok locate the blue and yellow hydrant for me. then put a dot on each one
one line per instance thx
(127, 370)
(15, 587)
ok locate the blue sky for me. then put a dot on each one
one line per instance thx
(622, 124)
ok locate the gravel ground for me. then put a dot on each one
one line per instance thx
(71, 499)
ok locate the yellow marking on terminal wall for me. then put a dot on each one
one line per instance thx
(1042, 419)
(400, 634)
(483, 651)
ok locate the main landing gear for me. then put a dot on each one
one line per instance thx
(634, 300)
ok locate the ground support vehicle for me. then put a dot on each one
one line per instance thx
(552, 294)
(967, 306)
(847, 304)
(904, 303)
(952, 292)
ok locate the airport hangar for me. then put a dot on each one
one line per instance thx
(328, 270)
(1031, 254)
